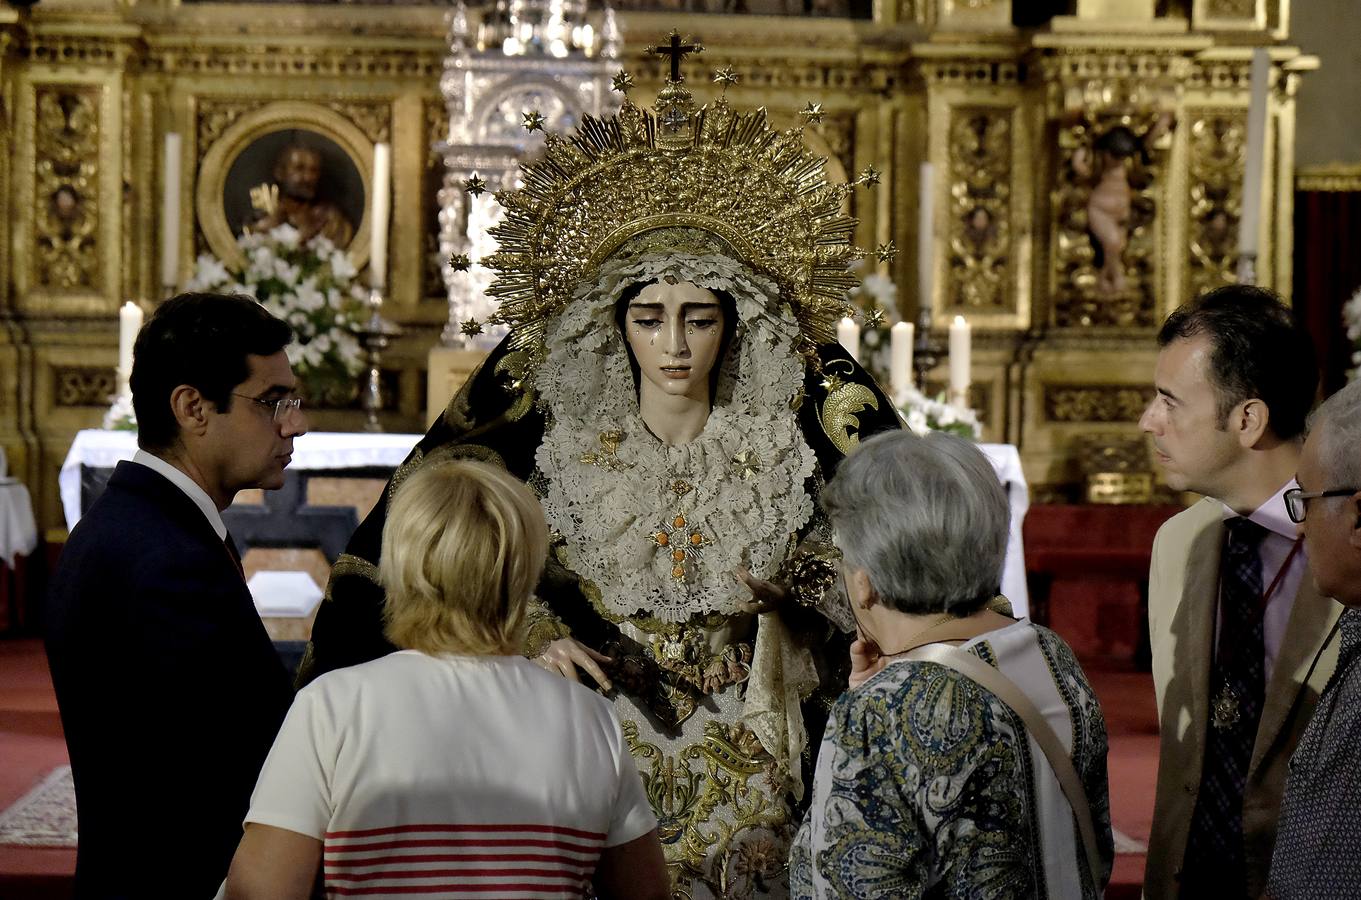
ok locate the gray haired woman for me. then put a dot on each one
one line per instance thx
(931, 782)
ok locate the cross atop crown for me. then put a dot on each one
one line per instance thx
(677, 50)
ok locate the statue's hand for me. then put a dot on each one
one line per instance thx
(565, 655)
(765, 595)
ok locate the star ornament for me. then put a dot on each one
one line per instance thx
(886, 252)
(874, 317)
(471, 328)
(832, 383)
(622, 82)
(460, 262)
(534, 121)
(725, 77)
(475, 185)
(870, 177)
(812, 114)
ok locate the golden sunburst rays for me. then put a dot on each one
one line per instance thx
(759, 189)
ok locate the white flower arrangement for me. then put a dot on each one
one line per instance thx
(924, 414)
(876, 300)
(1351, 318)
(311, 287)
(121, 416)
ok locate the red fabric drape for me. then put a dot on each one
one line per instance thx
(1327, 273)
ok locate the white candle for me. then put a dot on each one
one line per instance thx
(848, 336)
(1254, 156)
(129, 323)
(378, 214)
(170, 213)
(960, 336)
(925, 236)
(900, 357)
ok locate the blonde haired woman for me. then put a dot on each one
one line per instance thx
(454, 767)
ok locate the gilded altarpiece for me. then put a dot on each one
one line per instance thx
(1002, 113)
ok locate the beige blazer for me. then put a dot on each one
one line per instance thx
(1183, 587)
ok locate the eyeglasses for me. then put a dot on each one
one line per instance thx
(281, 409)
(1295, 500)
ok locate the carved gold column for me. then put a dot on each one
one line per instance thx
(980, 147)
(70, 162)
(1110, 103)
(17, 436)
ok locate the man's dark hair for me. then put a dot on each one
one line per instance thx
(1257, 351)
(201, 340)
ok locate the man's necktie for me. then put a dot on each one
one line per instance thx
(236, 557)
(1214, 859)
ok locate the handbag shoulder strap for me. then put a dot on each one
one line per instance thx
(1005, 689)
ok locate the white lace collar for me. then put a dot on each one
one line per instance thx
(659, 529)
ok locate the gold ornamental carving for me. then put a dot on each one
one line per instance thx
(216, 116)
(1077, 404)
(82, 386)
(799, 76)
(1215, 169)
(1106, 207)
(1345, 178)
(436, 119)
(66, 144)
(980, 195)
(1237, 15)
(340, 60)
(971, 73)
(838, 131)
(374, 118)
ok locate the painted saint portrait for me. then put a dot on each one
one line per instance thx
(298, 177)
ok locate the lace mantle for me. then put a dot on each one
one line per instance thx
(745, 472)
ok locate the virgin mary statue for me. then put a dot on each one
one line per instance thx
(671, 388)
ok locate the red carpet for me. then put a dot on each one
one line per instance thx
(31, 745)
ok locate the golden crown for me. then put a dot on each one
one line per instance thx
(725, 173)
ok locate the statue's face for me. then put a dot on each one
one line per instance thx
(676, 333)
(299, 173)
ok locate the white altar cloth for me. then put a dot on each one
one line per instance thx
(1006, 462)
(336, 450)
(315, 450)
(18, 528)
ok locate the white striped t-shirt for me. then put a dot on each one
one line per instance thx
(454, 777)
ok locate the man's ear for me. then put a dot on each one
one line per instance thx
(1250, 420)
(190, 409)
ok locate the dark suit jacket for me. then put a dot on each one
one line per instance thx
(169, 688)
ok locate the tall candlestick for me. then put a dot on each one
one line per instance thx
(848, 336)
(900, 357)
(925, 236)
(378, 214)
(170, 213)
(129, 323)
(960, 351)
(1254, 157)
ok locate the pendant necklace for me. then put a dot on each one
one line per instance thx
(1226, 710)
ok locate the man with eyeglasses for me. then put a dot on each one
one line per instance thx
(1241, 638)
(1318, 848)
(169, 688)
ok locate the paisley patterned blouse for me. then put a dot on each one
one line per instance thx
(927, 785)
